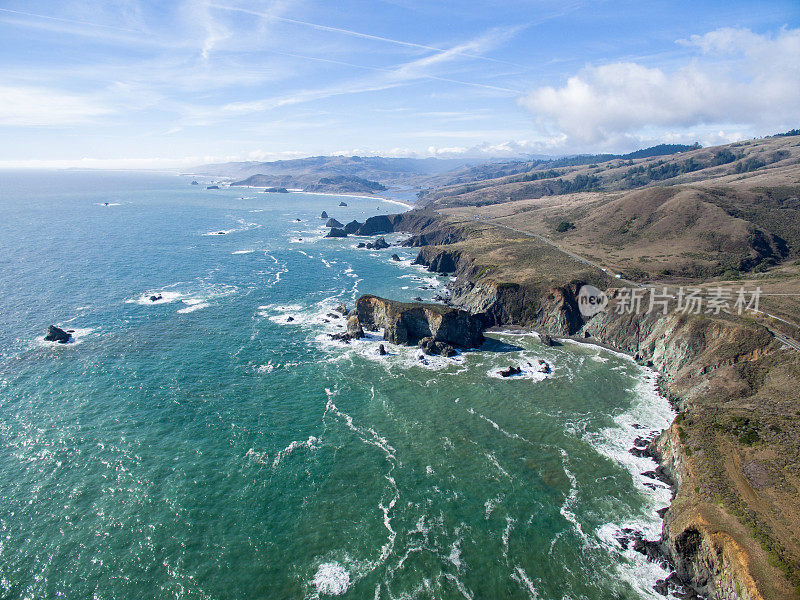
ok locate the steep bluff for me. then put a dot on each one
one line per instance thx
(720, 374)
(409, 322)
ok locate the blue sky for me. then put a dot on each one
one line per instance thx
(135, 83)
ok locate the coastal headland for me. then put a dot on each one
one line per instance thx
(732, 529)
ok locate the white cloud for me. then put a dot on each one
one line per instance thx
(734, 77)
(29, 106)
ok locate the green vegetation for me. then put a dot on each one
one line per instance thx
(565, 226)
(750, 164)
(537, 175)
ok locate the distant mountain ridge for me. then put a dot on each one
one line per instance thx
(369, 174)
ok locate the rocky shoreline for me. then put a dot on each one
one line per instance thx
(703, 363)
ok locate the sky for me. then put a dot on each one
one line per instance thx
(161, 84)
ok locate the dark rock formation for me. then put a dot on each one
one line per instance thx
(432, 347)
(336, 233)
(512, 370)
(212, 187)
(195, 183)
(277, 190)
(342, 308)
(361, 245)
(334, 223)
(324, 215)
(342, 203)
(438, 261)
(408, 323)
(155, 297)
(378, 244)
(378, 224)
(395, 257)
(352, 227)
(546, 339)
(354, 329)
(56, 334)
(382, 350)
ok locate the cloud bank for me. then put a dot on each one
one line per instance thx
(736, 78)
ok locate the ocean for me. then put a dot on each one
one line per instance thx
(216, 443)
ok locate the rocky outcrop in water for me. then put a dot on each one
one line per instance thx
(409, 322)
(56, 334)
(378, 244)
(336, 233)
(352, 227)
(324, 215)
(334, 223)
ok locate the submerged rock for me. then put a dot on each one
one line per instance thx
(56, 334)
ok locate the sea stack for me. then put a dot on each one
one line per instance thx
(56, 334)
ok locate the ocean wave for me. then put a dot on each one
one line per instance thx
(331, 579)
(191, 300)
(311, 444)
(243, 226)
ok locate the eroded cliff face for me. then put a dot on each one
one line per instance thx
(408, 323)
(711, 367)
(701, 360)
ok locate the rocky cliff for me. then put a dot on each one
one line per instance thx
(408, 323)
(733, 386)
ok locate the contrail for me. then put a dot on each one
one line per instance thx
(389, 70)
(365, 36)
(27, 14)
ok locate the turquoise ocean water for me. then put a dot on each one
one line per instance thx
(207, 446)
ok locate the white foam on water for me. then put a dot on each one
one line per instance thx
(197, 305)
(243, 226)
(520, 576)
(490, 456)
(166, 298)
(491, 504)
(331, 579)
(311, 444)
(649, 414)
(253, 455)
(571, 499)
(243, 252)
(529, 370)
(510, 522)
